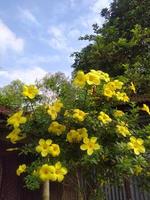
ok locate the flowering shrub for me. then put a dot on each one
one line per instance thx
(91, 137)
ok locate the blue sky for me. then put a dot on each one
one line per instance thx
(38, 36)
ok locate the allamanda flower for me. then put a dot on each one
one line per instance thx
(146, 108)
(76, 136)
(46, 172)
(90, 145)
(79, 115)
(122, 96)
(118, 113)
(104, 76)
(60, 172)
(123, 130)
(132, 87)
(57, 105)
(15, 135)
(56, 128)
(16, 119)
(21, 169)
(93, 78)
(137, 145)
(108, 92)
(44, 147)
(80, 79)
(104, 118)
(30, 91)
(118, 84)
(54, 150)
(52, 112)
(73, 136)
(82, 132)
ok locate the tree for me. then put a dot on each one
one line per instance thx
(121, 46)
(57, 86)
(10, 95)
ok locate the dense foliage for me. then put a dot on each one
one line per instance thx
(121, 46)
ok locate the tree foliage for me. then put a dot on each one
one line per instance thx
(10, 95)
(121, 46)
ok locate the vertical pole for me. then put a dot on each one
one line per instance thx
(46, 190)
(80, 188)
(127, 189)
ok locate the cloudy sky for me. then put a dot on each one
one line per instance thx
(38, 36)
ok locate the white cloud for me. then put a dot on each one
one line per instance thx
(9, 40)
(27, 16)
(88, 20)
(74, 34)
(38, 60)
(28, 76)
(58, 38)
(25, 75)
(98, 5)
(93, 16)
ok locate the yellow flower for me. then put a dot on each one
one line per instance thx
(76, 136)
(15, 135)
(52, 112)
(44, 147)
(47, 172)
(16, 119)
(21, 169)
(30, 91)
(114, 85)
(137, 145)
(54, 150)
(93, 78)
(137, 170)
(80, 79)
(82, 132)
(90, 145)
(110, 88)
(73, 136)
(56, 128)
(146, 108)
(60, 172)
(108, 92)
(118, 113)
(52, 172)
(123, 130)
(57, 105)
(110, 85)
(122, 96)
(67, 113)
(118, 84)
(79, 115)
(104, 76)
(132, 87)
(104, 118)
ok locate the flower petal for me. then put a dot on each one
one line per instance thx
(90, 152)
(83, 147)
(93, 139)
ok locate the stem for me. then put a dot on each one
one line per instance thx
(85, 97)
(80, 194)
(46, 191)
